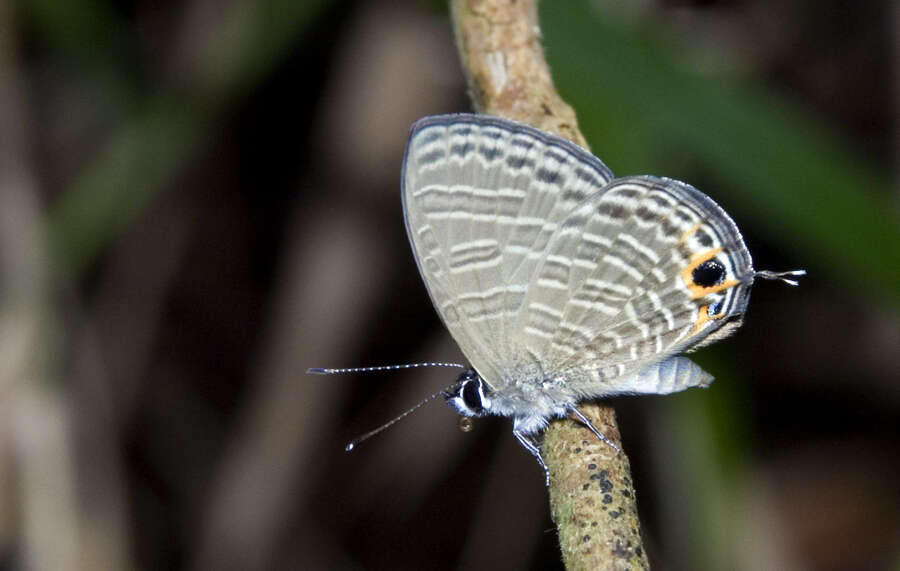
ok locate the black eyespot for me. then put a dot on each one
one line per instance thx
(708, 274)
(471, 396)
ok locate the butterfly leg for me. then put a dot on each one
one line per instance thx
(528, 442)
(587, 422)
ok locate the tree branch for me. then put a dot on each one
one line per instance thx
(592, 498)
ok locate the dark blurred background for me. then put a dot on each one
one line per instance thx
(199, 200)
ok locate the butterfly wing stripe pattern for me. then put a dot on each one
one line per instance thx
(558, 281)
(654, 317)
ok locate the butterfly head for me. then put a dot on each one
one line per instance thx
(469, 395)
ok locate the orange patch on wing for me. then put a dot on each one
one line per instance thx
(698, 291)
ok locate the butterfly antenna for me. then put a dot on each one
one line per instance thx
(783, 276)
(355, 442)
(324, 371)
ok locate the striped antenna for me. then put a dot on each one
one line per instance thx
(323, 371)
(356, 441)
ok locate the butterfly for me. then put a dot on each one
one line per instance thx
(559, 282)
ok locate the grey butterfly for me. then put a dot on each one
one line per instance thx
(559, 282)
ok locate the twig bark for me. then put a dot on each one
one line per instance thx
(592, 498)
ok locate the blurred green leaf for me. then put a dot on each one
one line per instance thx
(136, 162)
(86, 30)
(779, 168)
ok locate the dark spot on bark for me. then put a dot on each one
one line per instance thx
(605, 485)
(607, 499)
(592, 466)
(620, 551)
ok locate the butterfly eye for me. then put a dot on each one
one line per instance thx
(472, 397)
(467, 395)
(708, 274)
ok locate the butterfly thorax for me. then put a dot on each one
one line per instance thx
(531, 401)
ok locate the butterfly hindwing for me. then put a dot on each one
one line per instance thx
(643, 269)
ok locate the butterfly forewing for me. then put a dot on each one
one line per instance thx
(482, 198)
